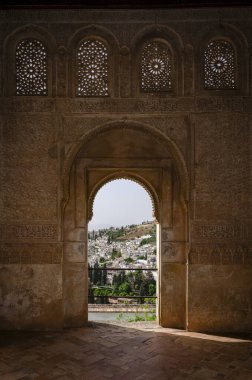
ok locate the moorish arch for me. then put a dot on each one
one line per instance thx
(128, 175)
(133, 150)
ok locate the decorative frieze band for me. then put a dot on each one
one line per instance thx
(29, 105)
(125, 105)
(30, 254)
(28, 231)
(220, 231)
(210, 103)
(220, 255)
(219, 103)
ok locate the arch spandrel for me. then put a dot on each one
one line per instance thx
(173, 152)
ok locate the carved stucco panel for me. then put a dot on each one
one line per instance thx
(222, 179)
(176, 128)
(222, 206)
(222, 152)
(27, 139)
(218, 231)
(29, 253)
(125, 106)
(220, 254)
(28, 105)
(77, 126)
(30, 192)
(219, 104)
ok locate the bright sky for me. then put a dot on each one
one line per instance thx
(120, 203)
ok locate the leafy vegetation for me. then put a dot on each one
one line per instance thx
(124, 284)
(115, 254)
(148, 315)
(149, 240)
(115, 234)
(128, 260)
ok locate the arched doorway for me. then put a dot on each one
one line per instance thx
(135, 151)
(122, 253)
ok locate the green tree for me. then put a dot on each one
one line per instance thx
(104, 275)
(128, 260)
(97, 274)
(149, 240)
(125, 289)
(115, 254)
(151, 290)
(139, 277)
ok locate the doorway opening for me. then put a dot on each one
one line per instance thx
(123, 254)
(127, 150)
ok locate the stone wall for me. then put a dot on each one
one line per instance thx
(210, 139)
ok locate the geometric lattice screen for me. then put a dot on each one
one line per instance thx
(92, 69)
(156, 67)
(219, 65)
(31, 68)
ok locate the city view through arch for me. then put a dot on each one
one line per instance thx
(122, 254)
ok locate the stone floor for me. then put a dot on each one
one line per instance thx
(123, 351)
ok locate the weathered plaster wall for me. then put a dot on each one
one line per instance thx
(39, 137)
(31, 253)
(31, 295)
(221, 253)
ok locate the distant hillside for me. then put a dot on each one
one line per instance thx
(139, 230)
(126, 233)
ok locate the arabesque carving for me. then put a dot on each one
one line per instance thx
(154, 106)
(220, 254)
(31, 231)
(220, 231)
(28, 105)
(30, 253)
(219, 103)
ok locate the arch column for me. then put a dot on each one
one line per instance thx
(75, 270)
(173, 255)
